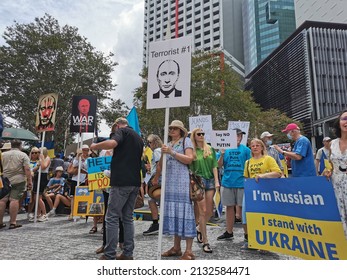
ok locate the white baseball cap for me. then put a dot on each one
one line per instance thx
(266, 134)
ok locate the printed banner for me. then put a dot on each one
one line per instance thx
(295, 216)
(83, 114)
(87, 203)
(203, 122)
(244, 126)
(96, 177)
(169, 70)
(223, 139)
(46, 111)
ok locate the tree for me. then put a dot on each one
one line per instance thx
(115, 109)
(43, 57)
(215, 90)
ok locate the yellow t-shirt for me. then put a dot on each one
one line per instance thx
(265, 164)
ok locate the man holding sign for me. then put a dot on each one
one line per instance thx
(233, 161)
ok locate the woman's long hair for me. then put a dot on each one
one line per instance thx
(206, 148)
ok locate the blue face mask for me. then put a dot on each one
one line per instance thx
(289, 136)
(268, 142)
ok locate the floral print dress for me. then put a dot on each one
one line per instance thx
(339, 179)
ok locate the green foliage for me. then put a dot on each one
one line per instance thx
(43, 57)
(216, 90)
(115, 109)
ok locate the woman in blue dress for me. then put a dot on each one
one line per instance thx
(179, 217)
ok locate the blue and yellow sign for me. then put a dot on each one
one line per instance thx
(295, 216)
(88, 203)
(96, 177)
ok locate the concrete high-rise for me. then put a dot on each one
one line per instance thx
(327, 11)
(212, 24)
(266, 24)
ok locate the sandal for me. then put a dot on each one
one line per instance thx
(93, 230)
(199, 236)
(2, 226)
(206, 248)
(172, 253)
(13, 226)
(187, 256)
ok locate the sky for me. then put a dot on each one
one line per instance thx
(109, 25)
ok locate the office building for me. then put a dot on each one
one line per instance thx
(266, 24)
(212, 24)
(324, 10)
(306, 77)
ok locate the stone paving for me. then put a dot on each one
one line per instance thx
(60, 239)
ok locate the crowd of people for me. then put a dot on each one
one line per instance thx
(184, 153)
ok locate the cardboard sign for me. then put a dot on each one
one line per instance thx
(46, 111)
(223, 139)
(96, 177)
(203, 122)
(244, 126)
(169, 71)
(88, 203)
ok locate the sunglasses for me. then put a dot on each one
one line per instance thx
(173, 128)
(343, 119)
(149, 142)
(35, 152)
(200, 134)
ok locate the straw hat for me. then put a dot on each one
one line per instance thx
(59, 168)
(154, 191)
(6, 146)
(179, 124)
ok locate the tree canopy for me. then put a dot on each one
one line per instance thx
(216, 90)
(43, 57)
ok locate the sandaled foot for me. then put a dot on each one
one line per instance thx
(93, 230)
(187, 256)
(2, 226)
(172, 253)
(199, 236)
(206, 248)
(13, 226)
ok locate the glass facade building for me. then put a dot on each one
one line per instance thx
(306, 77)
(266, 24)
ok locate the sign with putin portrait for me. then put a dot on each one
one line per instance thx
(46, 111)
(83, 115)
(169, 71)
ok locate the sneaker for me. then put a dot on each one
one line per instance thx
(42, 218)
(153, 229)
(30, 216)
(226, 236)
(51, 213)
(31, 219)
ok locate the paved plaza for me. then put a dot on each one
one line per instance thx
(60, 239)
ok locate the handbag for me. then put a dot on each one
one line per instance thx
(139, 202)
(196, 187)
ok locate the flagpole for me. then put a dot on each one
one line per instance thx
(39, 179)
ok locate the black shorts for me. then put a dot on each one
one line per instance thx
(43, 182)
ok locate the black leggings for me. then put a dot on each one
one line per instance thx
(121, 228)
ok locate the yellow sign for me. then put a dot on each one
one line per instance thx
(88, 203)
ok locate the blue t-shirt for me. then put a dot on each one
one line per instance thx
(234, 165)
(60, 181)
(305, 166)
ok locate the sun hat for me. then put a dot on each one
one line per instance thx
(154, 191)
(290, 127)
(326, 139)
(179, 124)
(85, 147)
(59, 168)
(266, 134)
(6, 146)
(239, 131)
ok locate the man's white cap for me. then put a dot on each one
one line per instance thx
(85, 147)
(326, 139)
(266, 134)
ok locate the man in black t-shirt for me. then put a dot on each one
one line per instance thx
(125, 181)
